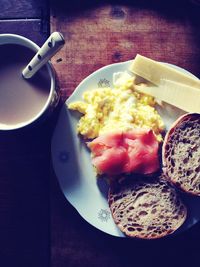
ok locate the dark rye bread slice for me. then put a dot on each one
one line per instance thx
(147, 208)
(181, 153)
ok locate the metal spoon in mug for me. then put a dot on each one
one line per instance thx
(52, 45)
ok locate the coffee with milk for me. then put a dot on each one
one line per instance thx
(20, 99)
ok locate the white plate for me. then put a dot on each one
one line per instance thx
(72, 162)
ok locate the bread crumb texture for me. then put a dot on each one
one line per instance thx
(146, 208)
(182, 154)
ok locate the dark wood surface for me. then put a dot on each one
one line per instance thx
(23, 9)
(38, 227)
(35, 30)
(25, 162)
(99, 33)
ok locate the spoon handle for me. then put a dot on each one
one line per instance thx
(49, 49)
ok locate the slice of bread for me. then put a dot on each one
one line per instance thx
(181, 153)
(146, 208)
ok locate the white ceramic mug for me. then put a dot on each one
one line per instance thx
(53, 93)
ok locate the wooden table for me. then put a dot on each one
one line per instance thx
(38, 227)
(25, 161)
(100, 33)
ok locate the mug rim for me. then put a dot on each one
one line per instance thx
(33, 46)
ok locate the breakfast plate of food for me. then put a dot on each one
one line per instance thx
(126, 149)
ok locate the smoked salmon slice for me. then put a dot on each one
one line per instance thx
(135, 151)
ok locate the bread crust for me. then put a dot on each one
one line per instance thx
(146, 208)
(168, 145)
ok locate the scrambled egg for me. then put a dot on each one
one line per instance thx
(120, 108)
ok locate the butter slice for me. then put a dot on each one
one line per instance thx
(179, 95)
(154, 72)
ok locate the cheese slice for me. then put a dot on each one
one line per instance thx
(154, 72)
(180, 95)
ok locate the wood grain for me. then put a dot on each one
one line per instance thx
(12, 9)
(75, 243)
(34, 29)
(99, 33)
(24, 176)
(102, 34)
